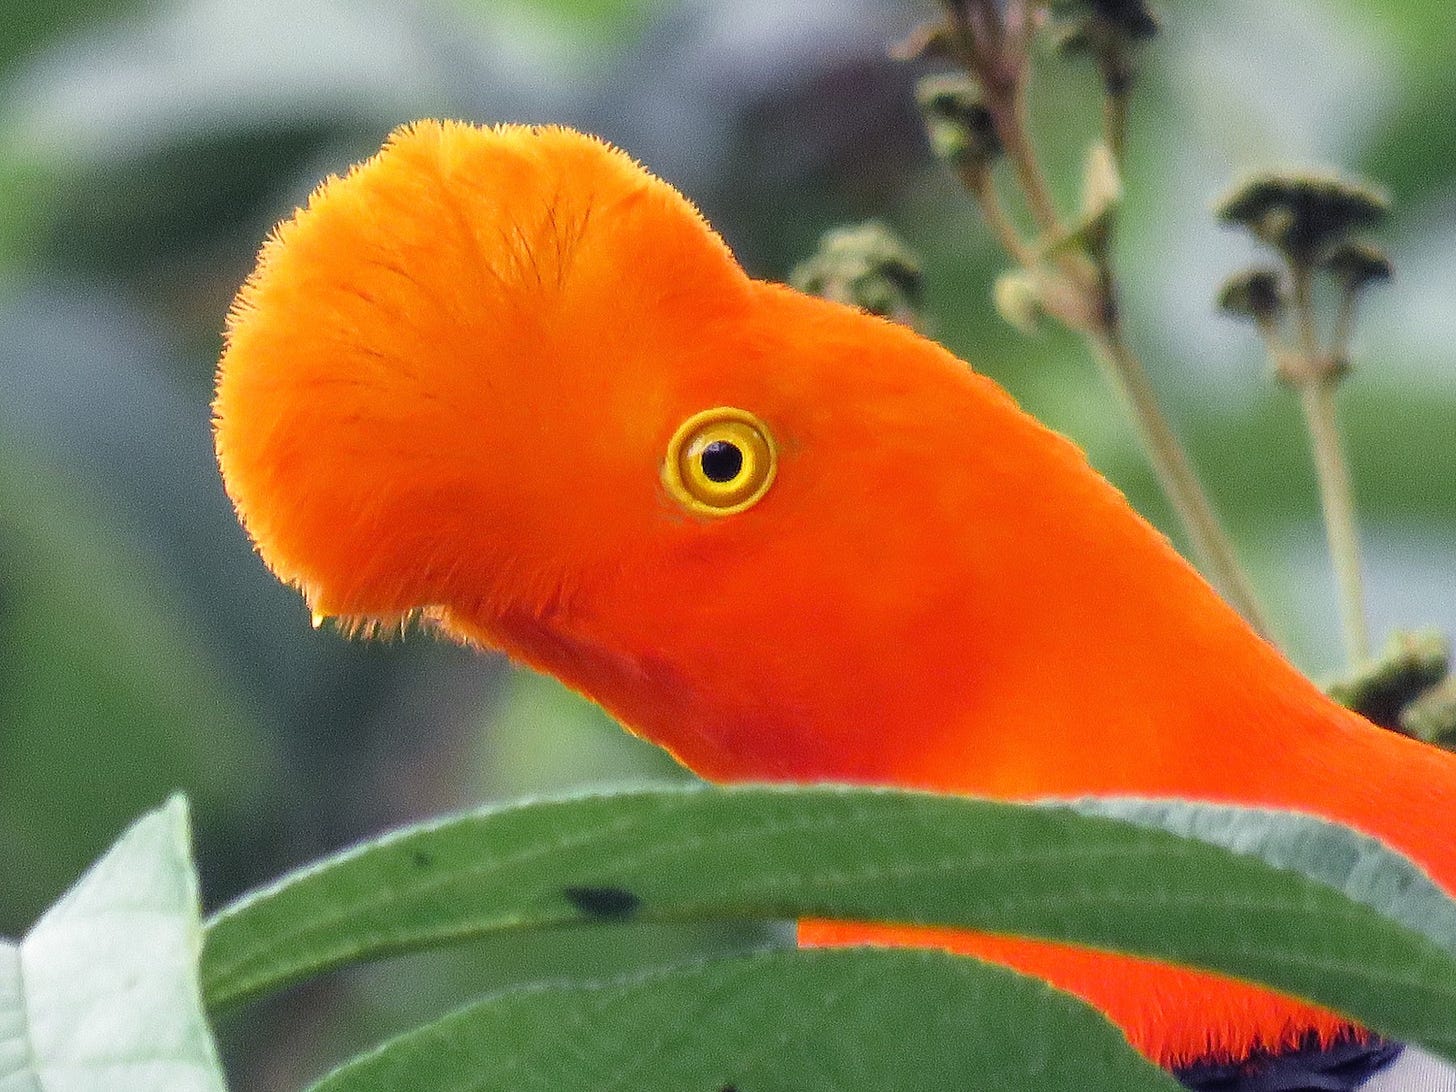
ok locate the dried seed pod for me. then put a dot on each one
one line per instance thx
(1302, 214)
(1356, 265)
(1256, 293)
(1132, 19)
(868, 266)
(961, 129)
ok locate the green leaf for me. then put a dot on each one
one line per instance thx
(772, 1022)
(103, 992)
(1302, 905)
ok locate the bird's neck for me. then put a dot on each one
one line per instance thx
(1153, 701)
(1224, 719)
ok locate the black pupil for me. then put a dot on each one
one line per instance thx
(722, 461)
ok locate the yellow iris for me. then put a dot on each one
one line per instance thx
(719, 461)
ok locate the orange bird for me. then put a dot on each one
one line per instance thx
(507, 381)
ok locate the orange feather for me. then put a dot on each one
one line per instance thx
(448, 390)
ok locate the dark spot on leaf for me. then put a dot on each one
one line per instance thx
(603, 902)
(422, 859)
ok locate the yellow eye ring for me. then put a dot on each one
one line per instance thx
(719, 462)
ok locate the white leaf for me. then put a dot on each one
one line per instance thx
(103, 994)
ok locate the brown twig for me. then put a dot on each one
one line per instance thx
(1315, 375)
(996, 51)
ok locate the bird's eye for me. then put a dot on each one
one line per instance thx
(719, 462)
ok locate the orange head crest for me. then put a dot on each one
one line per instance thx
(423, 381)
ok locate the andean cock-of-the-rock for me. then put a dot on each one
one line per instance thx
(507, 381)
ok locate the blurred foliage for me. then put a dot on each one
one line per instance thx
(217, 185)
(606, 21)
(106, 705)
(31, 26)
(146, 149)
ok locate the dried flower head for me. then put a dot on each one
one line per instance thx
(1085, 22)
(1302, 214)
(1256, 294)
(1411, 664)
(866, 265)
(961, 129)
(1356, 265)
(1432, 716)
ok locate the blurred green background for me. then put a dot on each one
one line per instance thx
(145, 150)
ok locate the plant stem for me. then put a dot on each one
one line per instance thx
(1114, 124)
(1002, 68)
(983, 188)
(1302, 277)
(1316, 379)
(1115, 65)
(1000, 61)
(1008, 112)
(1337, 501)
(1124, 369)
(1211, 546)
(988, 29)
(1344, 326)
